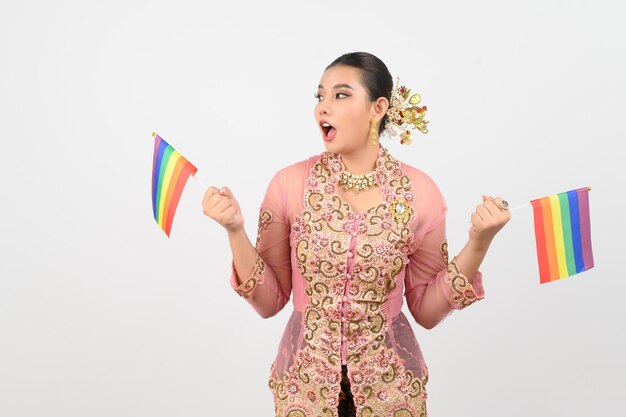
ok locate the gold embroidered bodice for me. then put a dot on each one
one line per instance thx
(347, 270)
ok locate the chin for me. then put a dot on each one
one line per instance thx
(330, 146)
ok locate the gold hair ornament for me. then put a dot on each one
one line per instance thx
(403, 113)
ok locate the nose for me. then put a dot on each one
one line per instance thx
(322, 108)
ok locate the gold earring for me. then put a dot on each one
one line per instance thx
(373, 133)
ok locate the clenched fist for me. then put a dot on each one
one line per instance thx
(487, 220)
(221, 206)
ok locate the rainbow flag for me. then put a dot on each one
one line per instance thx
(170, 171)
(562, 234)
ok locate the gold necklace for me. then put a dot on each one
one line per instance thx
(357, 182)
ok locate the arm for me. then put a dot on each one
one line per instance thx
(434, 286)
(261, 274)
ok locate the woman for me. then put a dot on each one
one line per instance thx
(346, 248)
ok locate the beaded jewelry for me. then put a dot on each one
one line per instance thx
(357, 182)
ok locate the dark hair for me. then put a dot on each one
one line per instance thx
(373, 73)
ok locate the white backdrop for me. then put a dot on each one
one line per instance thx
(102, 315)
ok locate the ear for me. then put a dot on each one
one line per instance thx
(379, 108)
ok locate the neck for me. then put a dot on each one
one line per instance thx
(361, 160)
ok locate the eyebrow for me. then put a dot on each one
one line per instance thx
(338, 86)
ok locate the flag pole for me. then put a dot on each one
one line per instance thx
(200, 183)
(528, 204)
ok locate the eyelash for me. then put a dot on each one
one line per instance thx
(317, 96)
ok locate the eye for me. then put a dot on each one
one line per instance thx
(317, 96)
(339, 94)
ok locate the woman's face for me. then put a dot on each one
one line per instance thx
(344, 105)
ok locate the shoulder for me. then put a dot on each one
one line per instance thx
(298, 168)
(289, 182)
(295, 173)
(423, 185)
(429, 202)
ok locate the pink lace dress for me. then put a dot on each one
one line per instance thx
(346, 273)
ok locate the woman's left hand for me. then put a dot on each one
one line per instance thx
(487, 220)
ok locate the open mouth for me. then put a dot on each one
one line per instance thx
(328, 129)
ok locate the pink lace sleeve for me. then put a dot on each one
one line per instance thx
(268, 287)
(434, 286)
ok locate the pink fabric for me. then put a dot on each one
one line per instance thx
(346, 273)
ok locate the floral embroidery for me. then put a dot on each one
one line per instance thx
(380, 241)
(464, 293)
(382, 379)
(444, 250)
(246, 288)
(265, 217)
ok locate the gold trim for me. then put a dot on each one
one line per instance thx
(399, 208)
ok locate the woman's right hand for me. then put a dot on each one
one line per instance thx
(222, 206)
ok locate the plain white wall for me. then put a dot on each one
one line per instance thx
(102, 315)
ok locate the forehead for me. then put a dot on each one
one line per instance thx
(340, 74)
